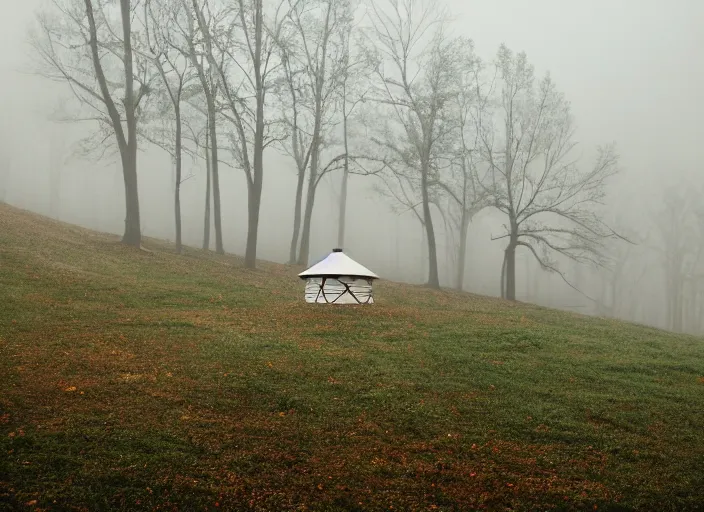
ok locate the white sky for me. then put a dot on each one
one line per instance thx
(633, 69)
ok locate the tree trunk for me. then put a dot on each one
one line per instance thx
(693, 320)
(254, 194)
(462, 252)
(293, 252)
(343, 207)
(206, 216)
(127, 145)
(687, 308)
(177, 190)
(219, 248)
(669, 285)
(308, 215)
(503, 277)
(209, 91)
(343, 189)
(315, 144)
(132, 234)
(423, 254)
(433, 278)
(677, 320)
(312, 184)
(397, 248)
(511, 272)
(310, 197)
(255, 188)
(526, 270)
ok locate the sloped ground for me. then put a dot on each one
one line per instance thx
(138, 380)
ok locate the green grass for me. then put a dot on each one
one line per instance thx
(137, 380)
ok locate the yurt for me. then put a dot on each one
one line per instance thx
(338, 279)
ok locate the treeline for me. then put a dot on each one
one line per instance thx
(372, 88)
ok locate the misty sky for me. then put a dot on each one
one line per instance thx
(633, 69)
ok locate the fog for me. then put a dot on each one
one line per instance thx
(632, 71)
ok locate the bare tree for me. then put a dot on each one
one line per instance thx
(319, 58)
(299, 140)
(353, 92)
(694, 301)
(208, 193)
(196, 134)
(416, 80)
(401, 185)
(240, 49)
(679, 227)
(165, 45)
(463, 177)
(549, 201)
(612, 277)
(623, 270)
(77, 44)
(196, 33)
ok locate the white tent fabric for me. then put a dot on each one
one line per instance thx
(338, 264)
(338, 279)
(339, 290)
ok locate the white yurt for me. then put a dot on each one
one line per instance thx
(338, 279)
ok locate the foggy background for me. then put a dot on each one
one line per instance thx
(632, 70)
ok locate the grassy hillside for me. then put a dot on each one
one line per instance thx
(136, 380)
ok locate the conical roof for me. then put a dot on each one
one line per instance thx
(337, 263)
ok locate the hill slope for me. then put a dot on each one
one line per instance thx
(147, 380)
